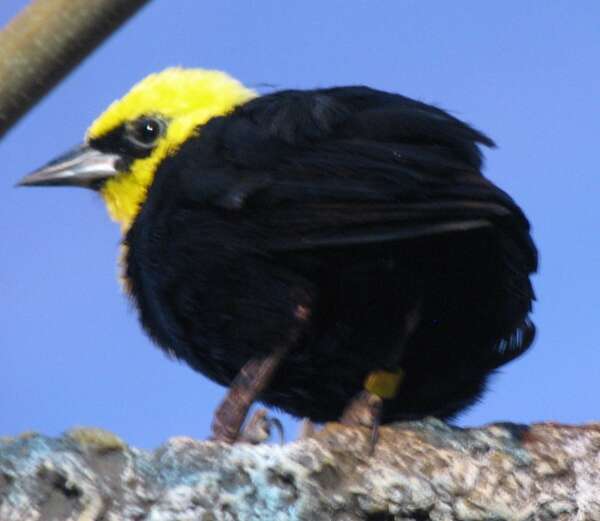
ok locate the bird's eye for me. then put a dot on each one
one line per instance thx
(145, 131)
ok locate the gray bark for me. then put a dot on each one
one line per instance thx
(419, 471)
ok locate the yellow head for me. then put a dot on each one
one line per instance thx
(127, 143)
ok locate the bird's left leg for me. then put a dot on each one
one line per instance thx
(365, 409)
(255, 376)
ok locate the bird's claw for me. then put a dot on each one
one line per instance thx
(259, 428)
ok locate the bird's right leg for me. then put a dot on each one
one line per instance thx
(255, 376)
(247, 385)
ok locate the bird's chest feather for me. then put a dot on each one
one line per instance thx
(204, 290)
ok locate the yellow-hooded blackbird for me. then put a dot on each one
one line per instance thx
(314, 249)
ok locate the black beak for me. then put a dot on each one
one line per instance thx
(82, 166)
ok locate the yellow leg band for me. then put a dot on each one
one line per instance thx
(384, 384)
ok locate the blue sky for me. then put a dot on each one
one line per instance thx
(71, 351)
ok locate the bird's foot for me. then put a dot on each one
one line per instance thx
(365, 411)
(223, 429)
(256, 430)
(259, 428)
(249, 382)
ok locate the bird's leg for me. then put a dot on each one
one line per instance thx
(253, 378)
(247, 385)
(365, 409)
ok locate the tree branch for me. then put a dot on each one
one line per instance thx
(421, 471)
(46, 41)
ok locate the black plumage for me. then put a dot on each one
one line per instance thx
(369, 204)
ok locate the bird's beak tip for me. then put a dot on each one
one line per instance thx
(83, 166)
(32, 179)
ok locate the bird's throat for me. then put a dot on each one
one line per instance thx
(125, 195)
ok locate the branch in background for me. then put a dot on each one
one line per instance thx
(46, 41)
(420, 471)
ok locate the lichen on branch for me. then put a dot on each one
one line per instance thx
(419, 471)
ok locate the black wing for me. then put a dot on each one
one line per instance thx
(348, 166)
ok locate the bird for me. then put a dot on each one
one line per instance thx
(335, 253)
